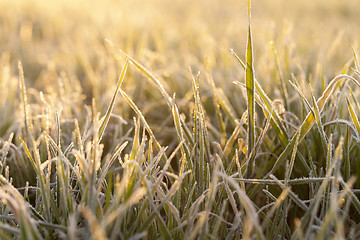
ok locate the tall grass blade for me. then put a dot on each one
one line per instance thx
(250, 90)
(112, 103)
(27, 117)
(275, 120)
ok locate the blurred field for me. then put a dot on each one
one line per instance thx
(40, 32)
(72, 53)
(168, 37)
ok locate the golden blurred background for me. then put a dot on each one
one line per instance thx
(168, 37)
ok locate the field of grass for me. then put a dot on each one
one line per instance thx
(155, 119)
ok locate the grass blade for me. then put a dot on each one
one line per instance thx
(354, 117)
(250, 90)
(112, 103)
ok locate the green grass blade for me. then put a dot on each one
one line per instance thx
(354, 117)
(356, 59)
(179, 130)
(27, 116)
(275, 120)
(250, 90)
(112, 103)
(318, 122)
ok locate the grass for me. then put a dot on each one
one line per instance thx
(136, 121)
